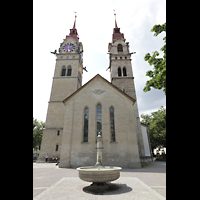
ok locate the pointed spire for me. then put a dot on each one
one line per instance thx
(74, 27)
(116, 31)
(115, 21)
(73, 32)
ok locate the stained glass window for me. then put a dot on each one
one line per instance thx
(112, 125)
(86, 119)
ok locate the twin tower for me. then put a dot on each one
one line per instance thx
(77, 113)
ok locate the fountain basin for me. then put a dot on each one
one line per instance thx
(99, 174)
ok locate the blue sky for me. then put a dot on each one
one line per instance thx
(95, 22)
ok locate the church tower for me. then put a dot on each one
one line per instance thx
(121, 74)
(67, 79)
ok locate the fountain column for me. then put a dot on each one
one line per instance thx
(99, 150)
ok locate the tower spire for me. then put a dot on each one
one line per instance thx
(74, 27)
(73, 32)
(116, 31)
(115, 21)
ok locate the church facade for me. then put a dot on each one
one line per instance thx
(77, 113)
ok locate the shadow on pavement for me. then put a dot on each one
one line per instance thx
(113, 189)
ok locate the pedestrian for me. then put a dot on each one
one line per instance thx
(46, 157)
(53, 158)
(57, 160)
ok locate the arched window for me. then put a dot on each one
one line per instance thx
(85, 130)
(63, 72)
(119, 72)
(124, 71)
(112, 125)
(99, 123)
(119, 48)
(69, 71)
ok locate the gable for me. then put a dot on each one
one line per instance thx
(97, 86)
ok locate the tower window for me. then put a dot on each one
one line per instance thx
(112, 125)
(119, 72)
(124, 71)
(119, 48)
(99, 124)
(69, 71)
(58, 132)
(57, 147)
(86, 119)
(63, 71)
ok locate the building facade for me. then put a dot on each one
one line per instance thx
(77, 113)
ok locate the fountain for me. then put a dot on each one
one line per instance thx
(99, 174)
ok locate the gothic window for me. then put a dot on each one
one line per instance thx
(119, 72)
(57, 147)
(99, 123)
(58, 132)
(119, 48)
(86, 119)
(124, 71)
(63, 72)
(112, 125)
(69, 71)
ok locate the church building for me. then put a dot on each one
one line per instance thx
(77, 113)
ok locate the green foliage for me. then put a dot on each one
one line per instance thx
(157, 127)
(158, 75)
(38, 127)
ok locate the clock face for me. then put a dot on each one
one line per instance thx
(69, 47)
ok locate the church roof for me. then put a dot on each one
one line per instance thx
(126, 95)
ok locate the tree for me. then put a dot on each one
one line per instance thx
(158, 75)
(157, 127)
(38, 127)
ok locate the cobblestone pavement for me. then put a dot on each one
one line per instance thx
(48, 179)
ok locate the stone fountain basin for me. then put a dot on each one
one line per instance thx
(99, 174)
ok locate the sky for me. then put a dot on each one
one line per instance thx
(94, 23)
